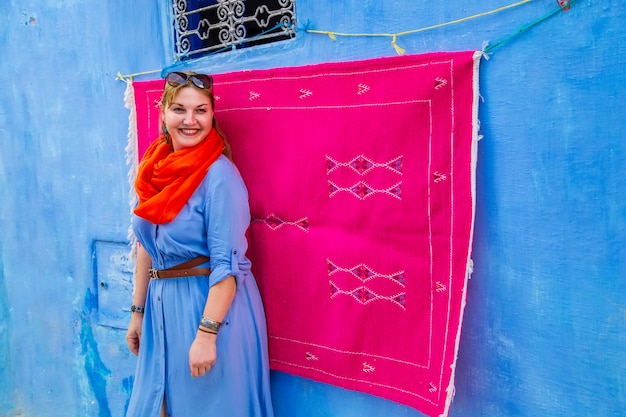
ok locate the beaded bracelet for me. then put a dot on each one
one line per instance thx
(137, 309)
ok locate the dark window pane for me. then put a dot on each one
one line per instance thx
(202, 27)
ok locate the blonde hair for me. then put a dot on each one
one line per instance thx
(169, 94)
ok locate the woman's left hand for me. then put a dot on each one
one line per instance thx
(202, 354)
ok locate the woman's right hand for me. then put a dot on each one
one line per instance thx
(133, 335)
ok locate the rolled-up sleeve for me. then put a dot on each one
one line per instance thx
(227, 216)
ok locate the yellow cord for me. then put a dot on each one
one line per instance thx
(333, 35)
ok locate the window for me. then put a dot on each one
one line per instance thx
(202, 27)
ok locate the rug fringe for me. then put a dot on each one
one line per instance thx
(478, 55)
(131, 160)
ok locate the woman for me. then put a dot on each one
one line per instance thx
(197, 325)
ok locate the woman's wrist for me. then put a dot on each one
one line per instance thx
(206, 335)
(202, 330)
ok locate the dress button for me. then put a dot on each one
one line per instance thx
(158, 298)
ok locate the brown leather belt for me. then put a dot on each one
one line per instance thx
(186, 269)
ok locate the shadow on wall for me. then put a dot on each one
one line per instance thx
(95, 369)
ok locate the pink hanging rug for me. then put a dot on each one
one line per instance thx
(361, 182)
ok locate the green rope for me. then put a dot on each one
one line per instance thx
(530, 25)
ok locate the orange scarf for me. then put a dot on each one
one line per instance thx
(166, 179)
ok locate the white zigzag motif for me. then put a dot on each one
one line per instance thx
(440, 83)
(363, 88)
(361, 164)
(254, 95)
(364, 273)
(274, 222)
(363, 190)
(363, 294)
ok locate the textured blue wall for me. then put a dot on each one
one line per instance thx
(544, 327)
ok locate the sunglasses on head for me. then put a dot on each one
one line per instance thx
(202, 81)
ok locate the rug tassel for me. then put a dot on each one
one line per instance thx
(399, 50)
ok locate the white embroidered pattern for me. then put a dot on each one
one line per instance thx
(363, 190)
(364, 273)
(305, 93)
(362, 293)
(274, 222)
(366, 295)
(362, 165)
(440, 177)
(367, 368)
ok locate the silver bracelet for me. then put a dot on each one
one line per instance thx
(207, 323)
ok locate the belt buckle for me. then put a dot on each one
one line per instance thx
(154, 273)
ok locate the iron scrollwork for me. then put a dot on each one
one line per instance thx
(204, 27)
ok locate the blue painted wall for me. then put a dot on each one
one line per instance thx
(544, 330)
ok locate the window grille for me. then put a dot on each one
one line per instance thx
(202, 27)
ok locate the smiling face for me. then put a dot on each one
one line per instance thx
(188, 117)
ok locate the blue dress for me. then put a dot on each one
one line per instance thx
(212, 223)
